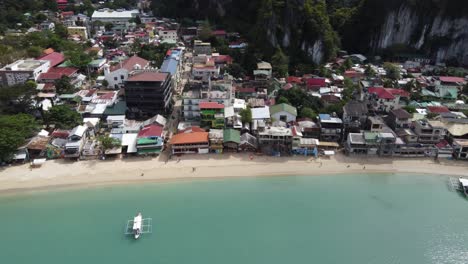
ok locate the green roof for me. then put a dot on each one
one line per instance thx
(66, 63)
(370, 136)
(231, 135)
(118, 108)
(147, 141)
(283, 107)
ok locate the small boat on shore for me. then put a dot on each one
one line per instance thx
(138, 226)
(463, 185)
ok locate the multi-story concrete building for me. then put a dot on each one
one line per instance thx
(331, 128)
(23, 70)
(219, 91)
(200, 47)
(148, 92)
(429, 132)
(118, 18)
(117, 74)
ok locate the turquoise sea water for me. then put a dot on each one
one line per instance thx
(356, 219)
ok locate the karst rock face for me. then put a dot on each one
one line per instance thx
(436, 29)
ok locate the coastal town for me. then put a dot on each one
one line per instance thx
(134, 85)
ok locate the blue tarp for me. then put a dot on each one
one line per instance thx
(169, 65)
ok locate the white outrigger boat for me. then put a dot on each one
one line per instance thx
(138, 226)
(463, 185)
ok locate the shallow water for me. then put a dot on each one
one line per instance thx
(331, 219)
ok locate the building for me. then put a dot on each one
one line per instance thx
(200, 47)
(23, 70)
(117, 74)
(75, 142)
(354, 115)
(232, 139)
(55, 74)
(399, 118)
(168, 35)
(219, 91)
(429, 132)
(211, 114)
(148, 93)
(460, 149)
(47, 25)
(275, 140)
(386, 99)
(248, 142)
(371, 143)
(204, 71)
(263, 71)
(150, 140)
(283, 112)
(119, 18)
(190, 143)
(80, 31)
(216, 137)
(55, 58)
(331, 128)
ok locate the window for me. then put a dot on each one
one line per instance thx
(115, 78)
(283, 118)
(122, 77)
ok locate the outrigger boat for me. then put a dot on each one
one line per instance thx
(463, 185)
(138, 226)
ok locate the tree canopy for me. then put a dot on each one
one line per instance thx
(63, 85)
(14, 130)
(280, 63)
(246, 115)
(62, 116)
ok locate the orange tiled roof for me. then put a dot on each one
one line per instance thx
(189, 138)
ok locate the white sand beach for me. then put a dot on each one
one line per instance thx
(68, 174)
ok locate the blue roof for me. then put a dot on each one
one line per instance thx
(169, 65)
(324, 116)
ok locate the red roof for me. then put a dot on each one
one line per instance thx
(330, 98)
(57, 73)
(245, 89)
(192, 129)
(353, 74)
(438, 109)
(442, 144)
(67, 13)
(219, 32)
(294, 79)
(210, 105)
(399, 92)
(55, 58)
(450, 79)
(287, 86)
(107, 96)
(223, 59)
(150, 131)
(129, 64)
(148, 77)
(388, 93)
(189, 138)
(316, 82)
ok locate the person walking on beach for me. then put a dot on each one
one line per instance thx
(193, 169)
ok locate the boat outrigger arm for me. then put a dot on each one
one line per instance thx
(139, 226)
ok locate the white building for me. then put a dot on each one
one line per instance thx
(170, 35)
(116, 75)
(119, 17)
(22, 70)
(204, 71)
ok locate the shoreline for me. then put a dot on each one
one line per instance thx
(64, 175)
